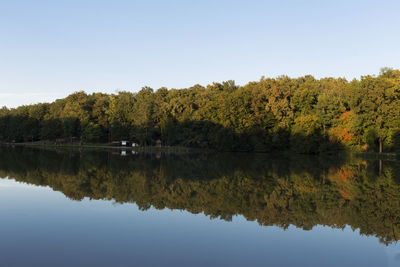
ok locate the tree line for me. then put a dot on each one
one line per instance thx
(305, 114)
(302, 191)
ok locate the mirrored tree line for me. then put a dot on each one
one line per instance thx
(272, 190)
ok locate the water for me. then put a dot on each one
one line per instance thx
(70, 208)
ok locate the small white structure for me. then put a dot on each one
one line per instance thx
(124, 143)
(123, 153)
(135, 144)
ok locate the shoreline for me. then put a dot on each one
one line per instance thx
(107, 147)
(180, 149)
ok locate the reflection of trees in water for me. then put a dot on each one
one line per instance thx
(282, 191)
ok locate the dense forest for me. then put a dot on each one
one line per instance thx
(303, 114)
(303, 191)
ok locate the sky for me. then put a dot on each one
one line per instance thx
(49, 49)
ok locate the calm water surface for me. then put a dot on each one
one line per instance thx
(69, 208)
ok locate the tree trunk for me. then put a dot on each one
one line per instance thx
(380, 145)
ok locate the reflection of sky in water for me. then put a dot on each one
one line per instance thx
(393, 255)
(12, 183)
(41, 227)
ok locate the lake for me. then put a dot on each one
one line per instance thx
(111, 208)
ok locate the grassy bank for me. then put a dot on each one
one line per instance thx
(181, 149)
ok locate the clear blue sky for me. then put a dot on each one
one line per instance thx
(49, 49)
